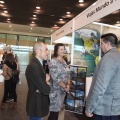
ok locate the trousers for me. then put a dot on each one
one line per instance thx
(99, 117)
(35, 118)
(53, 115)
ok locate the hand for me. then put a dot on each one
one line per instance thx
(47, 79)
(88, 114)
(67, 88)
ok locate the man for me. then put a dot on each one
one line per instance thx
(38, 83)
(104, 96)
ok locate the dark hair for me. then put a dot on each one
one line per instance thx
(9, 58)
(110, 37)
(56, 47)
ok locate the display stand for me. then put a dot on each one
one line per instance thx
(75, 100)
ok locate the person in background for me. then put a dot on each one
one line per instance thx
(37, 105)
(59, 73)
(16, 58)
(104, 96)
(8, 67)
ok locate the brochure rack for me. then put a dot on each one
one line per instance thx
(75, 100)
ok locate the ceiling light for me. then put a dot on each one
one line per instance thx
(2, 2)
(1, 5)
(52, 15)
(30, 31)
(81, 4)
(118, 22)
(68, 13)
(81, 1)
(34, 16)
(51, 30)
(11, 29)
(37, 7)
(48, 33)
(55, 25)
(8, 19)
(60, 19)
(94, 4)
(31, 28)
(10, 26)
(5, 11)
(33, 22)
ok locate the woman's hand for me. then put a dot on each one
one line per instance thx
(67, 88)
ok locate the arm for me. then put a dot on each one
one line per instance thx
(4, 68)
(103, 77)
(56, 75)
(35, 75)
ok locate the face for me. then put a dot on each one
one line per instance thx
(104, 46)
(61, 51)
(43, 53)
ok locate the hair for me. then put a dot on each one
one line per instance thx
(36, 46)
(8, 49)
(9, 57)
(56, 47)
(111, 38)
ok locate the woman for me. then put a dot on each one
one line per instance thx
(9, 88)
(59, 73)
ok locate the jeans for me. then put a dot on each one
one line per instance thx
(35, 118)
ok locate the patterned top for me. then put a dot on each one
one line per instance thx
(59, 71)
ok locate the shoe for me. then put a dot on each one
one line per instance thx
(2, 106)
(9, 100)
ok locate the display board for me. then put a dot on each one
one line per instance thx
(75, 99)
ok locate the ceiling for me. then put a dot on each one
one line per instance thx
(52, 13)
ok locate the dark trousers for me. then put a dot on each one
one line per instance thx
(99, 117)
(13, 94)
(53, 115)
(6, 90)
(35, 118)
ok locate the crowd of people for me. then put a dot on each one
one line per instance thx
(11, 72)
(48, 85)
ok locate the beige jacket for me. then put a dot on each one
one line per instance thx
(7, 72)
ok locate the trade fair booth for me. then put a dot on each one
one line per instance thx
(85, 43)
